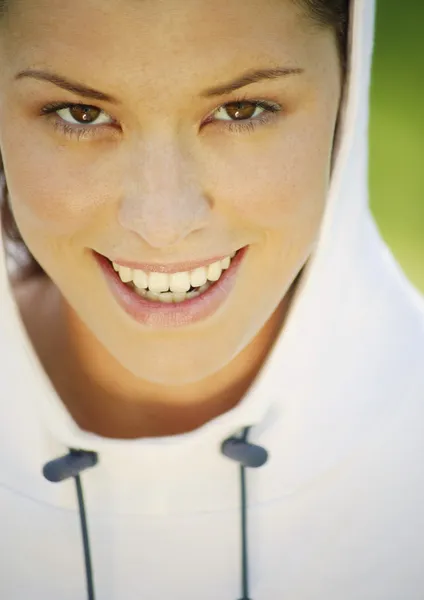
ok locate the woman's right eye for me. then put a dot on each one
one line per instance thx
(81, 112)
(77, 120)
(77, 114)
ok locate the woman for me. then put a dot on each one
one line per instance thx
(212, 341)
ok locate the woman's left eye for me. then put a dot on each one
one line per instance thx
(242, 115)
(85, 121)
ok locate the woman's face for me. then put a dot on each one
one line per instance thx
(169, 170)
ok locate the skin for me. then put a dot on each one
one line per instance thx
(159, 153)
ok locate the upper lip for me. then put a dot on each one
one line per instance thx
(169, 267)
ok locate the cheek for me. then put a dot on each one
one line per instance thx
(57, 191)
(279, 182)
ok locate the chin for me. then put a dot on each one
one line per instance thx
(171, 367)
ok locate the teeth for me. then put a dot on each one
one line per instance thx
(198, 277)
(125, 274)
(179, 282)
(140, 279)
(225, 263)
(158, 282)
(172, 297)
(214, 271)
(199, 291)
(173, 287)
(179, 297)
(152, 296)
(168, 297)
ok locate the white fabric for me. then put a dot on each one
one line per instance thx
(337, 512)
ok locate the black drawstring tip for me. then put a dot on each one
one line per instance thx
(245, 453)
(70, 465)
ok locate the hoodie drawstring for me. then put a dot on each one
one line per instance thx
(248, 456)
(235, 448)
(71, 465)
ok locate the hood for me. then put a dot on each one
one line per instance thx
(323, 390)
(282, 402)
(333, 279)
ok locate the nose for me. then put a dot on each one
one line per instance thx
(163, 201)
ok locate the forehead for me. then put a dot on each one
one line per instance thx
(154, 34)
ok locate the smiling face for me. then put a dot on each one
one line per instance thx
(169, 167)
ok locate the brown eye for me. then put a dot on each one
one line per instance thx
(78, 114)
(240, 110)
(81, 120)
(85, 114)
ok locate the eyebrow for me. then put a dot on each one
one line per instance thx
(252, 76)
(67, 84)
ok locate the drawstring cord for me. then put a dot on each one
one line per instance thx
(235, 448)
(71, 465)
(85, 540)
(244, 553)
(249, 456)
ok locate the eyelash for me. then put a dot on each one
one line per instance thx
(271, 110)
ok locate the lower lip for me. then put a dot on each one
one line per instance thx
(160, 314)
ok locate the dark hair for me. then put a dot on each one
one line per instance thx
(333, 14)
(325, 13)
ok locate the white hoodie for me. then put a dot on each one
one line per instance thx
(337, 511)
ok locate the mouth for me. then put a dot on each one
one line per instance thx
(162, 296)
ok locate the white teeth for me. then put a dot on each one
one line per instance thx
(152, 296)
(158, 282)
(192, 294)
(198, 277)
(225, 263)
(125, 274)
(199, 291)
(214, 271)
(172, 297)
(204, 288)
(173, 287)
(140, 279)
(179, 282)
(179, 297)
(167, 297)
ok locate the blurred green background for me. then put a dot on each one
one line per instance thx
(397, 132)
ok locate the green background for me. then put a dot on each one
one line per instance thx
(397, 132)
